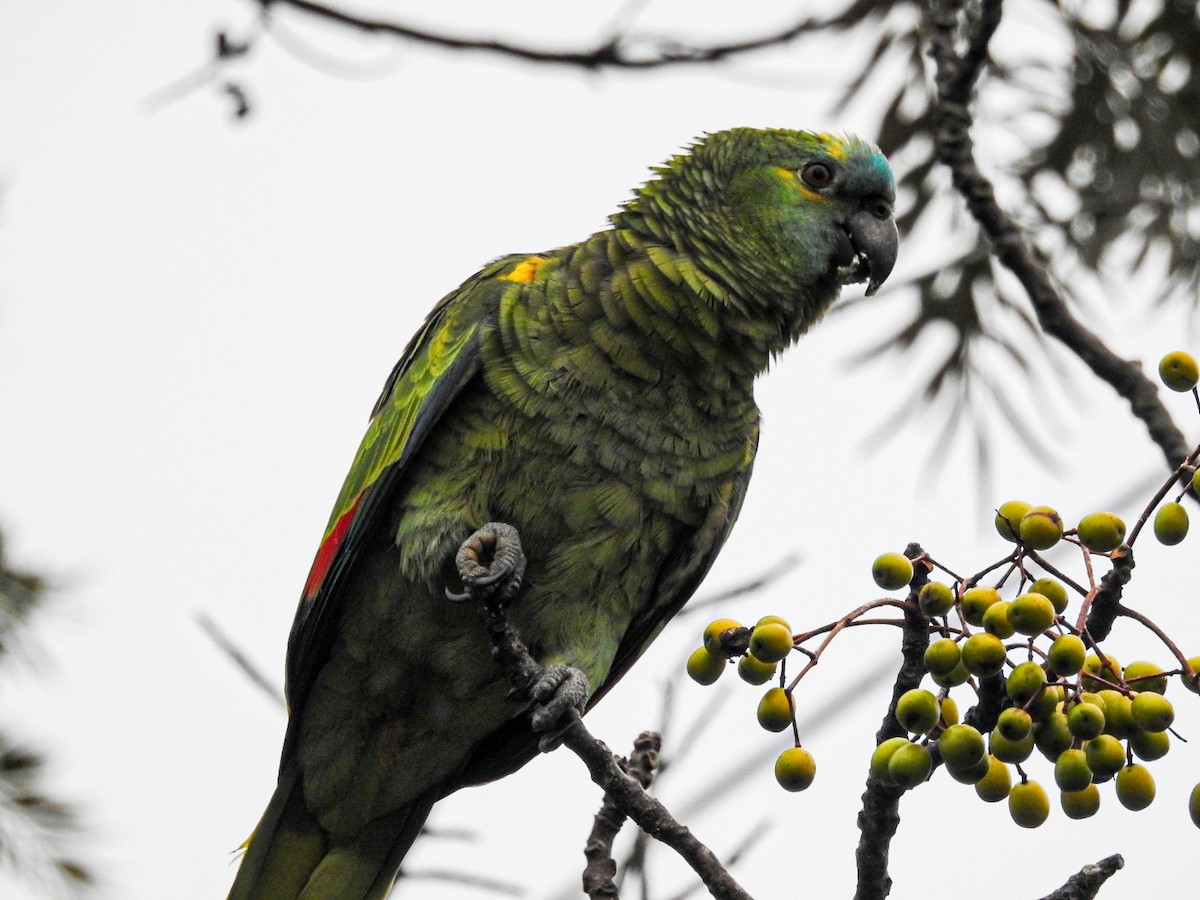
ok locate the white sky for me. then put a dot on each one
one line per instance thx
(196, 315)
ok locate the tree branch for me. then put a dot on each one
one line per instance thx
(1086, 883)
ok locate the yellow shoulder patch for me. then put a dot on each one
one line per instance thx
(524, 271)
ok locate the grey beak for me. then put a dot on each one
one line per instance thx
(878, 241)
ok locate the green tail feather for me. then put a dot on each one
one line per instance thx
(291, 857)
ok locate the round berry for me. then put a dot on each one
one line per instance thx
(1025, 680)
(975, 602)
(1085, 721)
(1031, 614)
(1008, 519)
(1178, 371)
(1010, 751)
(983, 654)
(1146, 676)
(996, 620)
(996, 784)
(771, 642)
(1194, 806)
(892, 571)
(1118, 714)
(1135, 787)
(1041, 528)
(1014, 723)
(712, 635)
(755, 671)
(882, 755)
(1052, 736)
(1081, 804)
(952, 679)
(1101, 532)
(1028, 804)
(961, 746)
(703, 667)
(1150, 745)
(1192, 682)
(1152, 712)
(1052, 589)
(910, 765)
(1066, 655)
(1171, 524)
(1105, 756)
(775, 710)
(935, 599)
(917, 711)
(949, 711)
(795, 769)
(1093, 671)
(942, 656)
(1071, 772)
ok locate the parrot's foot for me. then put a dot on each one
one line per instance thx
(491, 564)
(557, 690)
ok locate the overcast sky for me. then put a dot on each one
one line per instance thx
(197, 313)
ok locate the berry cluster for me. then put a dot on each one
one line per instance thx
(1041, 681)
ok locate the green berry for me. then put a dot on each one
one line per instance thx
(942, 657)
(755, 671)
(713, 633)
(1150, 745)
(883, 755)
(1118, 714)
(917, 711)
(1066, 655)
(1052, 736)
(1192, 682)
(1178, 371)
(703, 667)
(1014, 723)
(1081, 804)
(1152, 712)
(771, 642)
(1194, 806)
(795, 769)
(1101, 532)
(1031, 614)
(1135, 787)
(971, 774)
(1085, 721)
(892, 571)
(1052, 589)
(775, 710)
(1196, 481)
(935, 599)
(1171, 524)
(996, 784)
(910, 765)
(773, 620)
(1045, 703)
(1146, 676)
(1028, 804)
(1008, 519)
(1105, 756)
(1010, 751)
(1025, 680)
(1071, 772)
(953, 679)
(961, 746)
(983, 654)
(996, 620)
(1109, 671)
(975, 602)
(1041, 528)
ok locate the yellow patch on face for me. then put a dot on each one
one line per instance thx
(790, 176)
(524, 271)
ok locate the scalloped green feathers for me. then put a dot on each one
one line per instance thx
(597, 397)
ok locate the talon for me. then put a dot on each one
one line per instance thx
(491, 565)
(558, 689)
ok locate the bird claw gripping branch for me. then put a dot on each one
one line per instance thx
(491, 564)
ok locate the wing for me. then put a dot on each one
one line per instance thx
(681, 575)
(437, 363)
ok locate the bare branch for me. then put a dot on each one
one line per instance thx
(1086, 883)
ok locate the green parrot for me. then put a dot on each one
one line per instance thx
(599, 398)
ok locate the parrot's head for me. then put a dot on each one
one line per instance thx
(788, 217)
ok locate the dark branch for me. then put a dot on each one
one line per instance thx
(956, 76)
(1086, 883)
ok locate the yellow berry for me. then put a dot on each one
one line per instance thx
(1145, 676)
(776, 620)
(1041, 528)
(1052, 589)
(1081, 804)
(949, 711)
(917, 711)
(1052, 735)
(975, 602)
(1014, 723)
(1066, 655)
(703, 667)
(1028, 804)
(1031, 614)
(1171, 524)
(1118, 714)
(1135, 787)
(942, 657)
(996, 620)
(712, 635)
(1150, 745)
(775, 710)
(961, 746)
(910, 765)
(1024, 681)
(1085, 721)
(1194, 806)
(882, 755)
(892, 571)
(935, 599)
(1105, 756)
(1178, 371)
(1008, 519)
(1093, 669)
(996, 784)
(795, 769)
(771, 642)
(1152, 712)
(1010, 751)
(1101, 532)
(1192, 682)
(1071, 772)
(983, 654)
(755, 671)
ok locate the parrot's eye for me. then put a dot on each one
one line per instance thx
(817, 174)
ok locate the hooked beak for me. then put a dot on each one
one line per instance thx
(875, 244)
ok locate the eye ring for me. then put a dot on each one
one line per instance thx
(817, 174)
